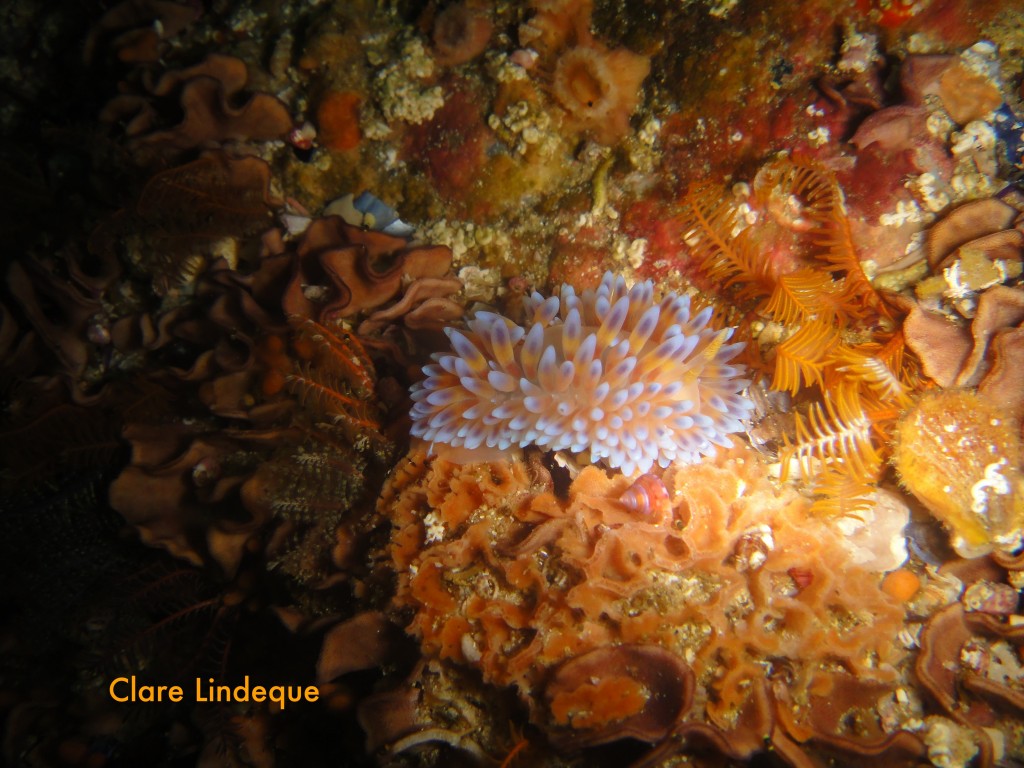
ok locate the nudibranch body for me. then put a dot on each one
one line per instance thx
(607, 372)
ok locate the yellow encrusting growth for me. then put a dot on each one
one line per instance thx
(961, 456)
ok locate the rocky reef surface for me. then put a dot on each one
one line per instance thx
(713, 316)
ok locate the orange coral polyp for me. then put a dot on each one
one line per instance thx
(600, 89)
(461, 33)
(583, 85)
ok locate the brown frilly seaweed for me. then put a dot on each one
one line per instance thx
(135, 29)
(982, 356)
(59, 313)
(306, 429)
(56, 331)
(617, 692)
(966, 326)
(336, 270)
(207, 93)
(282, 436)
(176, 478)
(970, 657)
(171, 229)
(365, 641)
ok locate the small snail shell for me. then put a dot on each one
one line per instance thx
(647, 496)
(206, 471)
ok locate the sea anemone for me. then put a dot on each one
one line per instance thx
(610, 372)
(600, 88)
(461, 33)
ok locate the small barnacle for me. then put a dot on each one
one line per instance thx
(479, 284)
(910, 634)
(752, 548)
(939, 590)
(434, 527)
(470, 648)
(525, 129)
(1004, 665)
(976, 136)
(898, 709)
(976, 655)
(859, 52)
(930, 191)
(991, 597)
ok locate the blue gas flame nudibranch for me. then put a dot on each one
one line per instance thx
(607, 372)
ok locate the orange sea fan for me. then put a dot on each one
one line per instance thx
(817, 196)
(806, 294)
(857, 364)
(800, 359)
(711, 226)
(841, 357)
(840, 494)
(334, 382)
(838, 435)
(341, 353)
(327, 396)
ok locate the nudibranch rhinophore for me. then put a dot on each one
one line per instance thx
(609, 372)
